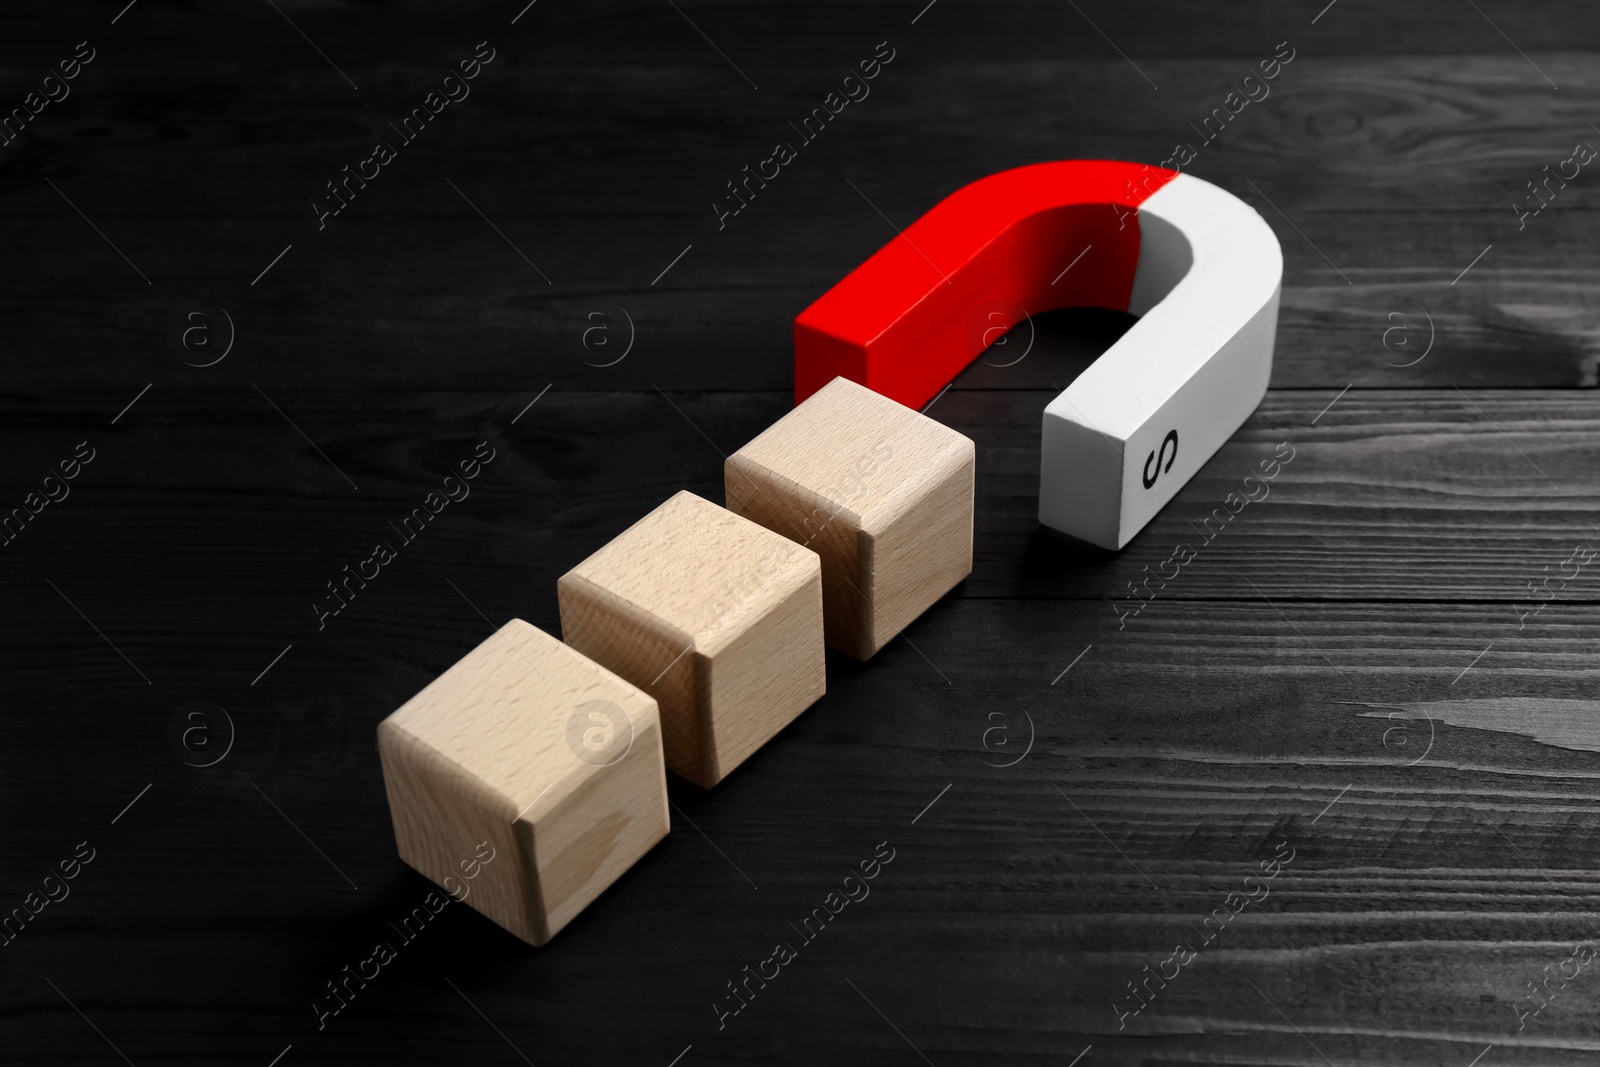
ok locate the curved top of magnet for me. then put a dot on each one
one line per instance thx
(1199, 265)
(1073, 233)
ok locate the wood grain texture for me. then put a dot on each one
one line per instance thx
(537, 752)
(1351, 667)
(1380, 146)
(882, 494)
(716, 617)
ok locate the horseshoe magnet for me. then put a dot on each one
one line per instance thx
(1199, 265)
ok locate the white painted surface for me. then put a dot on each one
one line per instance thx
(1197, 362)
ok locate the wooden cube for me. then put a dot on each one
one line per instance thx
(881, 492)
(717, 618)
(536, 750)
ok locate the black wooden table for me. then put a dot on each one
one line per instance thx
(1347, 759)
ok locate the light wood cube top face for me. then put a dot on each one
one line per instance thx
(873, 460)
(515, 713)
(696, 567)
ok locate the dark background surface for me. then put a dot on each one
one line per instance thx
(1342, 669)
